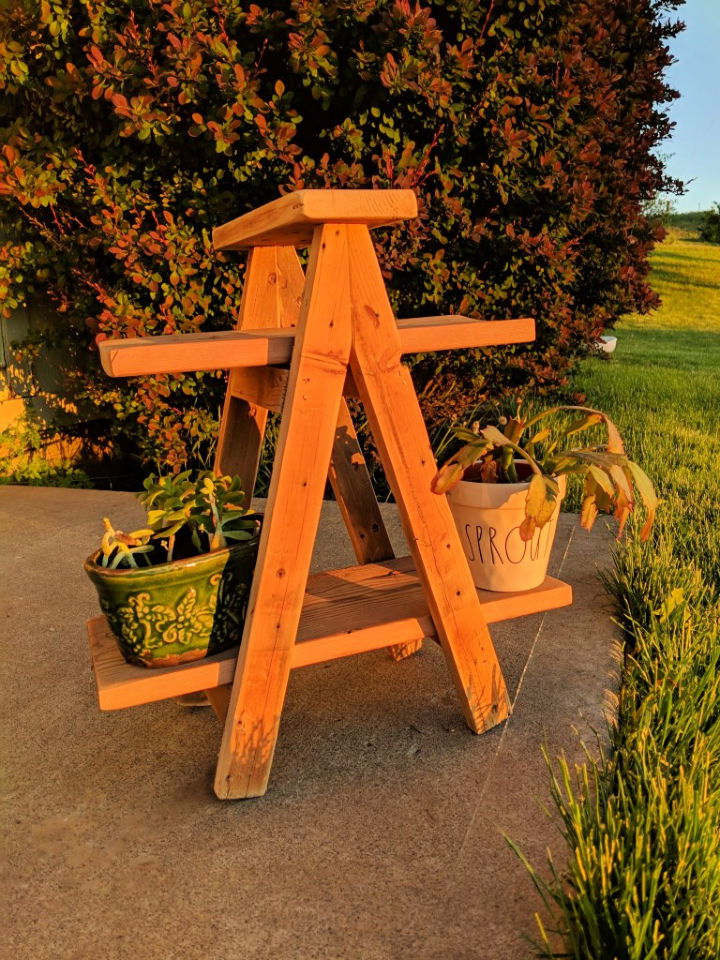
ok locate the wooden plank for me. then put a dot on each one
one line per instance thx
(261, 386)
(345, 612)
(240, 438)
(177, 353)
(219, 698)
(396, 422)
(355, 495)
(358, 505)
(317, 375)
(270, 300)
(183, 352)
(429, 334)
(291, 219)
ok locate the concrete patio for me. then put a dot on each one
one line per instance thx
(381, 836)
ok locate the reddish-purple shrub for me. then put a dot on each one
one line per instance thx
(526, 127)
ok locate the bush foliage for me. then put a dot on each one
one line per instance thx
(710, 230)
(526, 127)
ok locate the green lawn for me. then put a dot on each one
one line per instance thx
(662, 386)
(643, 825)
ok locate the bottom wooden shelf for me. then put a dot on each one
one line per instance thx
(346, 611)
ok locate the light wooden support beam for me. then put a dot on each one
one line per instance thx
(291, 219)
(297, 484)
(271, 299)
(397, 427)
(177, 353)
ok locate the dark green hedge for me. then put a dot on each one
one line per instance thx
(526, 127)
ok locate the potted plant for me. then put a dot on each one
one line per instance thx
(176, 590)
(505, 486)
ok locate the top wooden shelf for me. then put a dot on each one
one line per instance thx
(290, 220)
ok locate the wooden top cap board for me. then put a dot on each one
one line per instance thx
(290, 220)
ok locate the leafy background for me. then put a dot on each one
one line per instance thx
(526, 128)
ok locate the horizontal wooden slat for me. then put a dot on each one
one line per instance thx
(346, 611)
(427, 334)
(290, 220)
(178, 353)
(181, 352)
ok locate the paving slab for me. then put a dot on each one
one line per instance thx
(381, 836)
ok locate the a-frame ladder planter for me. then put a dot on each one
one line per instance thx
(303, 343)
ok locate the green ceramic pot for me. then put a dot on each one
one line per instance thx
(180, 611)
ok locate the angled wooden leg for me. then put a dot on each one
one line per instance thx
(359, 508)
(393, 411)
(271, 298)
(317, 375)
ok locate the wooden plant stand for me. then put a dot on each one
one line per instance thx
(303, 343)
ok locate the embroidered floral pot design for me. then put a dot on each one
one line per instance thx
(488, 518)
(176, 612)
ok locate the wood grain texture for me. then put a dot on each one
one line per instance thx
(182, 352)
(219, 698)
(317, 375)
(291, 219)
(397, 426)
(358, 505)
(178, 353)
(428, 334)
(271, 299)
(345, 612)
(261, 386)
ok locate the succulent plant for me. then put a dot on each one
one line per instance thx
(201, 514)
(611, 480)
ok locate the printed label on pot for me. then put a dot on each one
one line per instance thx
(488, 546)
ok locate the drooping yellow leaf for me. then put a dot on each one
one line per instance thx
(494, 436)
(541, 435)
(623, 484)
(614, 444)
(446, 477)
(535, 496)
(584, 423)
(545, 513)
(527, 528)
(623, 508)
(589, 512)
(602, 480)
(648, 496)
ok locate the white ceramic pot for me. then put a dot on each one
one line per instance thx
(488, 518)
(607, 344)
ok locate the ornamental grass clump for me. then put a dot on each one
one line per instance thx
(522, 446)
(185, 518)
